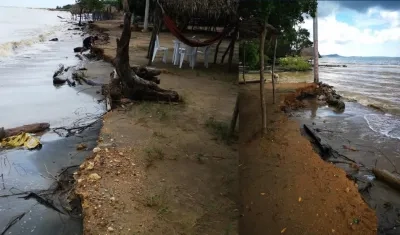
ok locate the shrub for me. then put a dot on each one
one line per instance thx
(252, 54)
(294, 64)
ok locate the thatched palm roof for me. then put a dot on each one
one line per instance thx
(200, 8)
(251, 28)
(308, 53)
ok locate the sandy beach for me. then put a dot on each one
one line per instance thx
(138, 178)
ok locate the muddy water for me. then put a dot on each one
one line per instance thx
(373, 149)
(27, 95)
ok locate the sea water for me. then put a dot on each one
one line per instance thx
(370, 81)
(27, 63)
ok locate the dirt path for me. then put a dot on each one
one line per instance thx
(285, 186)
(165, 169)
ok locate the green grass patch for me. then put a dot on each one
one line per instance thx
(294, 64)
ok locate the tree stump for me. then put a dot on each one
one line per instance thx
(130, 84)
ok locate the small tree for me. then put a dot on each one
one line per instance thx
(279, 14)
(146, 16)
(129, 84)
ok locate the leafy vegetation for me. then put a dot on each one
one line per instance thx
(285, 16)
(294, 64)
(250, 55)
(66, 7)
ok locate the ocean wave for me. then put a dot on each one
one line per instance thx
(387, 125)
(11, 48)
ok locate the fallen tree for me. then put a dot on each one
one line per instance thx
(127, 82)
(31, 128)
(387, 177)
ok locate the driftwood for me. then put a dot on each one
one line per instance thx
(2, 133)
(387, 177)
(58, 81)
(63, 75)
(70, 83)
(131, 85)
(325, 149)
(42, 201)
(78, 49)
(59, 71)
(147, 73)
(79, 56)
(12, 222)
(31, 128)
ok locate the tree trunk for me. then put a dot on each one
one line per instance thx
(80, 17)
(156, 30)
(216, 51)
(316, 54)
(234, 117)
(131, 85)
(232, 51)
(262, 80)
(273, 69)
(146, 16)
(226, 52)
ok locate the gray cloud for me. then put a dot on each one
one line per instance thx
(325, 8)
(363, 6)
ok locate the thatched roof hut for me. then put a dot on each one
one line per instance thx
(308, 53)
(211, 9)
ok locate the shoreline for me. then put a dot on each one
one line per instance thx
(93, 203)
(48, 170)
(304, 193)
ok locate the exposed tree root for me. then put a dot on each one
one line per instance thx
(131, 85)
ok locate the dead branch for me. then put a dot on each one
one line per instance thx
(12, 222)
(42, 201)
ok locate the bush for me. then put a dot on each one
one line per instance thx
(252, 54)
(294, 64)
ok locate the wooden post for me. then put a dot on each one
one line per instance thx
(156, 30)
(273, 70)
(216, 51)
(232, 51)
(226, 52)
(234, 117)
(262, 81)
(316, 54)
(244, 61)
(146, 16)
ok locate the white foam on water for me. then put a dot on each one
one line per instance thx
(25, 46)
(386, 125)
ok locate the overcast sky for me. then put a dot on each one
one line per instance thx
(36, 3)
(358, 28)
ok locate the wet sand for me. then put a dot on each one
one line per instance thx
(26, 171)
(373, 149)
(286, 188)
(29, 96)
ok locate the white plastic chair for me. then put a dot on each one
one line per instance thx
(157, 47)
(177, 50)
(205, 53)
(191, 53)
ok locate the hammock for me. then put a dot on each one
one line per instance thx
(170, 24)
